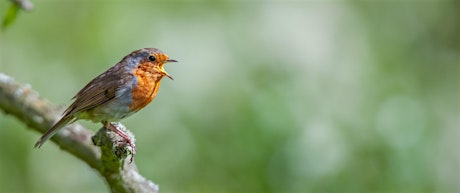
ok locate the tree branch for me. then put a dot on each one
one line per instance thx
(111, 159)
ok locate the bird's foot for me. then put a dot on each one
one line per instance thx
(126, 138)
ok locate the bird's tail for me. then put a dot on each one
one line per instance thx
(53, 130)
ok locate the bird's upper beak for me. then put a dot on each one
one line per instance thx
(170, 60)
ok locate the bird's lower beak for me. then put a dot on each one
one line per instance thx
(166, 74)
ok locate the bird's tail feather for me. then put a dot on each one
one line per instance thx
(53, 130)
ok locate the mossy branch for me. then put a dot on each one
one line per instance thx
(103, 151)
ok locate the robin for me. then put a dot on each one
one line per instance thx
(117, 93)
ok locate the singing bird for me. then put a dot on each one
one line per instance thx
(119, 92)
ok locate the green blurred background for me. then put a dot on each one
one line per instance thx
(268, 96)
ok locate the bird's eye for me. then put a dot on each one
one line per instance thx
(152, 58)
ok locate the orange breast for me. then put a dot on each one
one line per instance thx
(148, 83)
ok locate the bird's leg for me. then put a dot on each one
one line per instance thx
(123, 135)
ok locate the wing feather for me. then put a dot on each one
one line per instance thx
(100, 90)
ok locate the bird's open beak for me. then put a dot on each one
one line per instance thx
(165, 73)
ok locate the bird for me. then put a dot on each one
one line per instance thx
(117, 93)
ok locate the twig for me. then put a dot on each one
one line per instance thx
(109, 160)
(26, 5)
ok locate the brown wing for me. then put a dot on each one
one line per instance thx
(99, 90)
